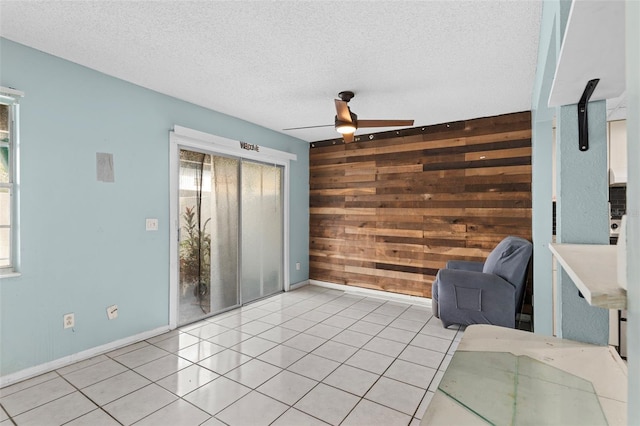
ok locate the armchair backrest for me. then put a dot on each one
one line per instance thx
(509, 260)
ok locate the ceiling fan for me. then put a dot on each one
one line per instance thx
(347, 122)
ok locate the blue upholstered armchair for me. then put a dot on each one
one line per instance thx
(489, 292)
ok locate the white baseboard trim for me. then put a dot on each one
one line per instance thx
(27, 373)
(368, 292)
(298, 285)
(37, 370)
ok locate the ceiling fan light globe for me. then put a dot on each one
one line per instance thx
(346, 128)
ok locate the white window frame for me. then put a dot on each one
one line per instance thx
(11, 97)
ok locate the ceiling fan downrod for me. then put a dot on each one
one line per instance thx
(346, 96)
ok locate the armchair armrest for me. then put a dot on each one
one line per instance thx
(465, 265)
(468, 297)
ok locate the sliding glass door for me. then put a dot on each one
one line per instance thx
(209, 243)
(231, 233)
(262, 230)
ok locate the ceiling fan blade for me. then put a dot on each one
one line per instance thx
(309, 127)
(348, 137)
(342, 111)
(384, 123)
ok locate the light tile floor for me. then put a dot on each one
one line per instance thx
(312, 356)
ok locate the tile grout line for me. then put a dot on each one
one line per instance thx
(340, 364)
(12, 418)
(397, 316)
(255, 389)
(128, 369)
(8, 415)
(87, 396)
(309, 305)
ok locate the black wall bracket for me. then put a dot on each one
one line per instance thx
(583, 122)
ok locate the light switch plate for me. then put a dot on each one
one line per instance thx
(112, 312)
(152, 224)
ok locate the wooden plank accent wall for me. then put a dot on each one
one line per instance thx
(387, 213)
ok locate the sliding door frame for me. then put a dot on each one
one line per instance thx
(184, 138)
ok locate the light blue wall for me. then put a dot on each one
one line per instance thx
(582, 213)
(633, 206)
(84, 245)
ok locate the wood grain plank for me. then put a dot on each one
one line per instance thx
(506, 170)
(343, 191)
(496, 154)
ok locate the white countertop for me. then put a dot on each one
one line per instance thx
(557, 381)
(593, 269)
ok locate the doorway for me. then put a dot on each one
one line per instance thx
(230, 232)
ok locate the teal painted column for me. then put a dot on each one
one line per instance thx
(542, 225)
(582, 213)
(542, 173)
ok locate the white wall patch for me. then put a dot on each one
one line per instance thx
(104, 167)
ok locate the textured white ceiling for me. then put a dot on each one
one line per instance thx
(280, 64)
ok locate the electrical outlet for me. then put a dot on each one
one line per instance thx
(297, 266)
(112, 312)
(69, 320)
(151, 224)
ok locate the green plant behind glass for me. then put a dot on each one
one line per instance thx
(195, 253)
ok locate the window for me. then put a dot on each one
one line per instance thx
(8, 179)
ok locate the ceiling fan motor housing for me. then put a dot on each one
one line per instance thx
(353, 123)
